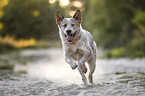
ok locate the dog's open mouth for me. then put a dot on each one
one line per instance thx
(69, 37)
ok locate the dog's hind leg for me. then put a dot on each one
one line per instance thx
(84, 79)
(92, 65)
(83, 67)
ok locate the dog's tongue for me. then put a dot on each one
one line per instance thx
(69, 38)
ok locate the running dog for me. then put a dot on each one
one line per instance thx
(78, 44)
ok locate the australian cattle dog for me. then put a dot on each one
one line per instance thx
(78, 44)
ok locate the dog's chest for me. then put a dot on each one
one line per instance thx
(77, 50)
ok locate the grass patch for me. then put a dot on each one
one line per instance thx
(22, 72)
(7, 66)
(117, 73)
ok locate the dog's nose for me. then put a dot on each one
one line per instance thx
(68, 31)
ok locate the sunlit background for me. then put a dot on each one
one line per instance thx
(118, 27)
(31, 56)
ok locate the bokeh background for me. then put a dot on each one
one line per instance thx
(118, 26)
(31, 56)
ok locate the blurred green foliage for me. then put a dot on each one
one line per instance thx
(116, 25)
(29, 19)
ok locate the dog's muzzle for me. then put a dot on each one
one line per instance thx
(69, 37)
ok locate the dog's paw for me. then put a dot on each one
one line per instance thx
(74, 67)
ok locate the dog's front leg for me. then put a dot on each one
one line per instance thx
(70, 61)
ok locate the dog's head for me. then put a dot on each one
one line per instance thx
(69, 26)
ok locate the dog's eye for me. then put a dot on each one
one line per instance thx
(64, 25)
(73, 25)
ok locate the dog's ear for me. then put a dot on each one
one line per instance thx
(77, 16)
(59, 17)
